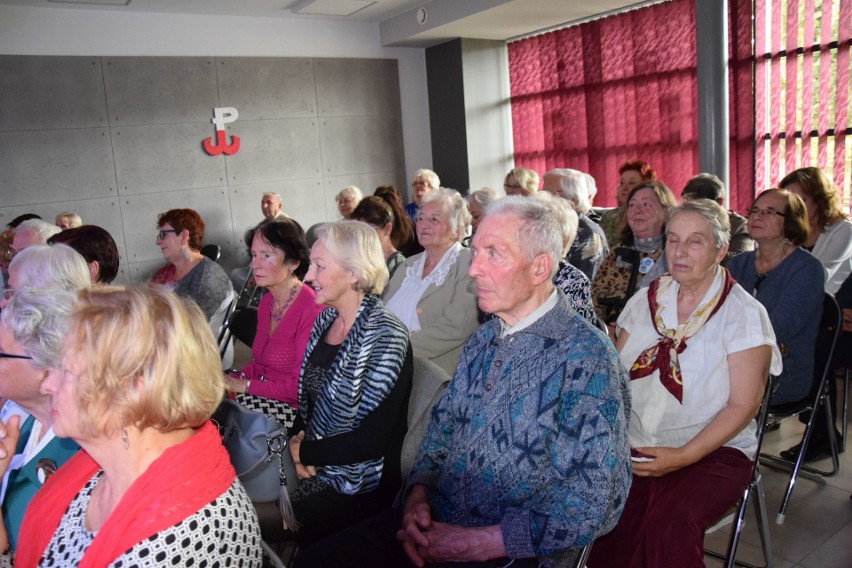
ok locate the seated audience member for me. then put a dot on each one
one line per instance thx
(431, 292)
(47, 267)
(590, 246)
(68, 220)
(285, 316)
(632, 173)
(829, 229)
(347, 199)
(13, 224)
(139, 405)
(571, 280)
(708, 186)
(424, 182)
(32, 232)
(402, 233)
(699, 350)
(478, 201)
(503, 471)
(377, 213)
(788, 281)
(270, 206)
(521, 182)
(96, 246)
(188, 272)
(31, 330)
(647, 204)
(354, 387)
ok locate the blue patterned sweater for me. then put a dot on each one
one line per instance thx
(531, 434)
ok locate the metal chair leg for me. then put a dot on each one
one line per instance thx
(845, 424)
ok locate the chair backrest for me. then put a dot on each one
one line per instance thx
(244, 325)
(213, 252)
(429, 382)
(831, 324)
(217, 326)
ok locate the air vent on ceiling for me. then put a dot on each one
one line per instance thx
(329, 7)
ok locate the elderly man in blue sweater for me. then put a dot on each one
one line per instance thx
(526, 458)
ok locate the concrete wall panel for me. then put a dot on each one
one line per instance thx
(54, 165)
(273, 150)
(51, 92)
(267, 87)
(347, 87)
(303, 200)
(160, 90)
(367, 183)
(140, 220)
(360, 144)
(165, 157)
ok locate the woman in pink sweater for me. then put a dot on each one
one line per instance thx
(279, 259)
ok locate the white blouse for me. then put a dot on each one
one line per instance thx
(657, 418)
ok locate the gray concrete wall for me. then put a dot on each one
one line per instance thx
(118, 140)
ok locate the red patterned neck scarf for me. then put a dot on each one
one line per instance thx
(662, 356)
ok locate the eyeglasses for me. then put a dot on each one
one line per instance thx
(161, 234)
(13, 356)
(512, 186)
(419, 184)
(758, 212)
(432, 219)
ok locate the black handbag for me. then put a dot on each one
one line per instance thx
(257, 446)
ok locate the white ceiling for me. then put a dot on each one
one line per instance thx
(446, 19)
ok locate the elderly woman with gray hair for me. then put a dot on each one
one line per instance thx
(431, 292)
(353, 388)
(42, 266)
(698, 348)
(478, 201)
(31, 329)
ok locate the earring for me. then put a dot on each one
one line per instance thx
(125, 442)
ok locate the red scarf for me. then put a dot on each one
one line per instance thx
(185, 478)
(662, 356)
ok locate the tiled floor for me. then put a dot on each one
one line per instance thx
(817, 531)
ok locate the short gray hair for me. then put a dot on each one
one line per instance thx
(711, 212)
(484, 196)
(574, 188)
(349, 191)
(277, 196)
(539, 231)
(38, 320)
(431, 177)
(704, 186)
(45, 266)
(591, 185)
(356, 247)
(454, 206)
(42, 229)
(568, 219)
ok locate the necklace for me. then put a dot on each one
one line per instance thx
(278, 314)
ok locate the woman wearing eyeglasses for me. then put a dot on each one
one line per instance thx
(521, 181)
(788, 281)
(188, 272)
(431, 292)
(31, 330)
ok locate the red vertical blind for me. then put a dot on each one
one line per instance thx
(595, 95)
(802, 69)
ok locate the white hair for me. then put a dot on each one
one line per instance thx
(454, 205)
(38, 319)
(42, 229)
(48, 267)
(539, 232)
(431, 177)
(568, 219)
(574, 189)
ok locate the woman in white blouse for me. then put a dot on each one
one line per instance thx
(698, 348)
(830, 234)
(432, 293)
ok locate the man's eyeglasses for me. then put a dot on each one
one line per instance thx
(13, 356)
(161, 234)
(759, 212)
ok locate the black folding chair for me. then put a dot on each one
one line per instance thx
(831, 321)
(754, 491)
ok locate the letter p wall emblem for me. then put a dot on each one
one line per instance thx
(221, 117)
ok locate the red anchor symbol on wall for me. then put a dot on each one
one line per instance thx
(222, 116)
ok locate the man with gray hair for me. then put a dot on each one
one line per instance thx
(32, 232)
(708, 186)
(270, 205)
(590, 247)
(525, 459)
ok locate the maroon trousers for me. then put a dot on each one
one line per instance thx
(664, 519)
